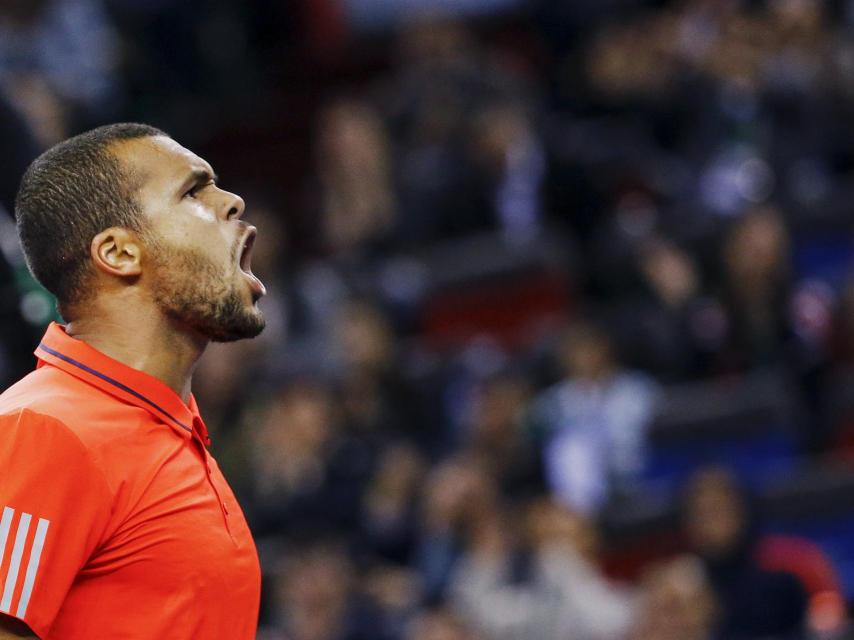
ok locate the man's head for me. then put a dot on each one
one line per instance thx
(125, 206)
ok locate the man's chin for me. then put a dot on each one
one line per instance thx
(209, 310)
(249, 326)
(236, 323)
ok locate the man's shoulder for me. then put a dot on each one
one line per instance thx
(61, 403)
(46, 391)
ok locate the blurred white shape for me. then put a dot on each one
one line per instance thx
(735, 178)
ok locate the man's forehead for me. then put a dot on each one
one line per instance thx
(159, 156)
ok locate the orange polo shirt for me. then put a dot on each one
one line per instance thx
(115, 521)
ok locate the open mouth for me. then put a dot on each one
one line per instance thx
(245, 263)
(246, 251)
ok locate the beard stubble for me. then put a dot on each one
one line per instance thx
(198, 294)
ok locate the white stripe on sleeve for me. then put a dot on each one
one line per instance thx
(32, 567)
(15, 562)
(5, 524)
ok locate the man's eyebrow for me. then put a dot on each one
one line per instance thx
(199, 176)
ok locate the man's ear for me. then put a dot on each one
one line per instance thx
(117, 251)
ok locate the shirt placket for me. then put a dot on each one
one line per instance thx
(200, 436)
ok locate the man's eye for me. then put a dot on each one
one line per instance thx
(194, 190)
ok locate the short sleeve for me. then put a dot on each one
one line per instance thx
(55, 506)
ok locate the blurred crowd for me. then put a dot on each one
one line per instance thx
(494, 248)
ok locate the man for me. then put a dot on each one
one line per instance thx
(115, 521)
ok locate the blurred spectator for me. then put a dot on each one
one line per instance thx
(669, 327)
(389, 506)
(594, 422)
(630, 59)
(59, 59)
(379, 401)
(395, 593)
(508, 165)
(357, 201)
(447, 89)
(494, 433)
(458, 496)
(444, 74)
(439, 625)
(316, 598)
(306, 470)
(675, 602)
(542, 585)
(755, 602)
(724, 40)
(757, 288)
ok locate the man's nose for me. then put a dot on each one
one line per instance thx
(236, 207)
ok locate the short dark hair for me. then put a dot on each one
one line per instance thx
(68, 195)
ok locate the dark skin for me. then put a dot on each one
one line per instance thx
(184, 207)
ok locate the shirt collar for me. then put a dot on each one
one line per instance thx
(83, 361)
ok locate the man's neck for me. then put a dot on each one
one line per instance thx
(157, 348)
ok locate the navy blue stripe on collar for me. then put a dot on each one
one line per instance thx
(113, 382)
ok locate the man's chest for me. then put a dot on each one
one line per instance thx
(177, 525)
(177, 559)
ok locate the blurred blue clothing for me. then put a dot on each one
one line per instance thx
(595, 436)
